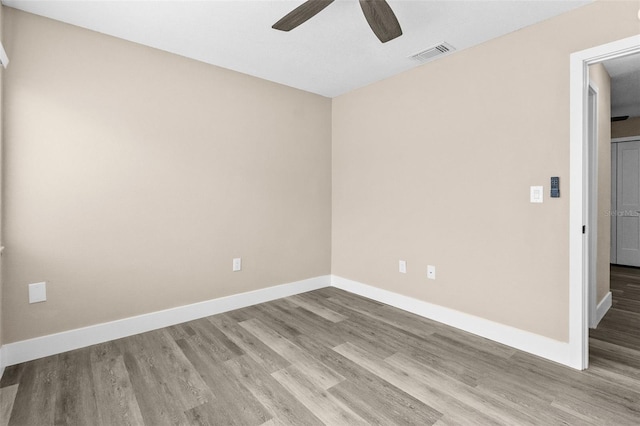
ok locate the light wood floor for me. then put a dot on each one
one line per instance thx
(329, 357)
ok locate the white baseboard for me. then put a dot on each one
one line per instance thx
(603, 308)
(27, 350)
(523, 340)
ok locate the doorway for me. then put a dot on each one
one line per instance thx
(580, 237)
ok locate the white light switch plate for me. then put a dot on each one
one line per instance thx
(37, 292)
(536, 194)
(402, 266)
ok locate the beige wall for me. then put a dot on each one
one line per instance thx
(627, 128)
(134, 176)
(600, 78)
(433, 166)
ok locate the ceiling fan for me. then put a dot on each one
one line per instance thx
(379, 15)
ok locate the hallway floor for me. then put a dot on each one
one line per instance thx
(621, 325)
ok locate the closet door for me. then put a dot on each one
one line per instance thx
(614, 203)
(628, 204)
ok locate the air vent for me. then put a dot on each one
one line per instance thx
(432, 52)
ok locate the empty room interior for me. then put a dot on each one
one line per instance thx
(323, 212)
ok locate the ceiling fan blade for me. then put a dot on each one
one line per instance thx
(381, 19)
(301, 14)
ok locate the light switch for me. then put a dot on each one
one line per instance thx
(536, 194)
(402, 266)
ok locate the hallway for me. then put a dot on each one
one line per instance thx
(615, 344)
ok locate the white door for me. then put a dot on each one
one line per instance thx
(614, 203)
(628, 204)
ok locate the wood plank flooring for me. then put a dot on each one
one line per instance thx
(333, 358)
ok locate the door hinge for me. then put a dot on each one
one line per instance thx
(584, 229)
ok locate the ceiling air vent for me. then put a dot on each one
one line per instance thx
(432, 52)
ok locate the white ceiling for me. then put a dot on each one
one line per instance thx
(331, 54)
(625, 85)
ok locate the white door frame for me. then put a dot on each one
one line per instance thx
(591, 199)
(578, 262)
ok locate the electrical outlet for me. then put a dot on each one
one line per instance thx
(38, 292)
(402, 266)
(431, 272)
(237, 264)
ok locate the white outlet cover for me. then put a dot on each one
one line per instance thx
(431, 272)
(37, 292)
(237, 264)
(402, 266)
